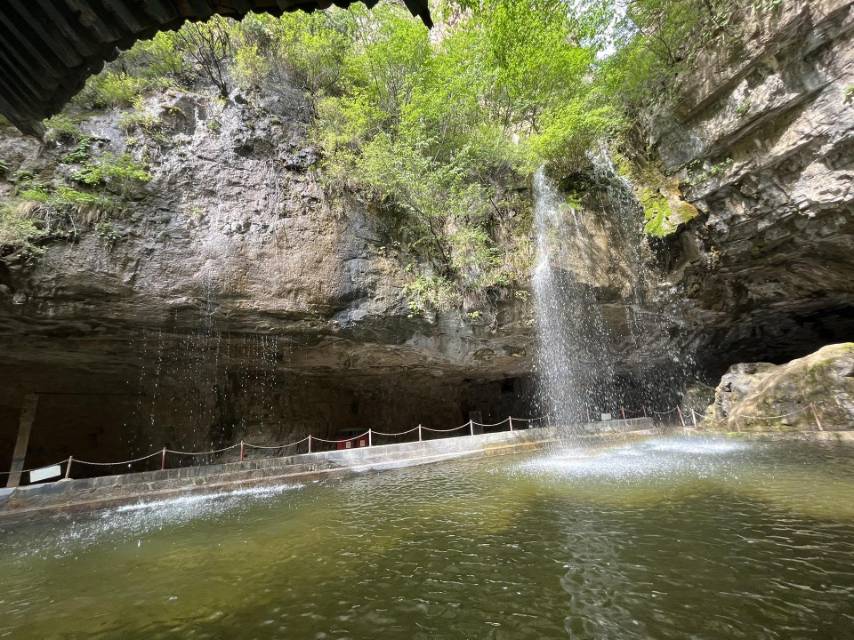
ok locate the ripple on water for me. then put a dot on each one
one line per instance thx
(705, 538)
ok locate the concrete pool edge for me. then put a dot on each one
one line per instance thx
(106, 491)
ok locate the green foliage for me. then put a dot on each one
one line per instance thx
(111, 89)
(66, 199)
(250, 67)
(431, 293)
(107, 233)
(208, 47)
(571, 130)
(118, 172)
(430, 130)
(475, 259)
(306, 48)
(157, 58)
(61, 128)
(138, 120)
(80, 153)
(18, 229)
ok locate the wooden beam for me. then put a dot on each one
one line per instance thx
(28, 416)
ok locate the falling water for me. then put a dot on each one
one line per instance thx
(572, 354)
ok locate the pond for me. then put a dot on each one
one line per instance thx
(662, 538)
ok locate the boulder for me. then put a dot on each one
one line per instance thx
(815, 392)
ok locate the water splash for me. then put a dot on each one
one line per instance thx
(133, 522)
(654, 458)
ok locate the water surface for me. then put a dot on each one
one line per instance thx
(667, 538)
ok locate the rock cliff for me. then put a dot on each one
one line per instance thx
(762, 142)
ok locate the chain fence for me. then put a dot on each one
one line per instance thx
(170, 458)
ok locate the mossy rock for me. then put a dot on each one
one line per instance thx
(815, 392)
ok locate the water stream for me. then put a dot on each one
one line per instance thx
(572, 357)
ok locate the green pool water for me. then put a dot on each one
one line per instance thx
(666, 538)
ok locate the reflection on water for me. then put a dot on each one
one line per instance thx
(666, 538)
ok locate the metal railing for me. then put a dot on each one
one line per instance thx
(316, 444)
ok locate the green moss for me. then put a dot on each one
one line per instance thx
(657, 213)
(573, 200)
(658, 194)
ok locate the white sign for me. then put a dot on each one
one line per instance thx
(606, 416)
(45, 473)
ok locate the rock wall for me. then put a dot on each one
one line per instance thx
(233, 299)
(762, 142)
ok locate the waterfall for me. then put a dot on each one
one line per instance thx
(573, 365)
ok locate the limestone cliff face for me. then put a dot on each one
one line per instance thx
(231, 298)
(235, 235)
(762, 141)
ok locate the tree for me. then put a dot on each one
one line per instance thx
(208, 45)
